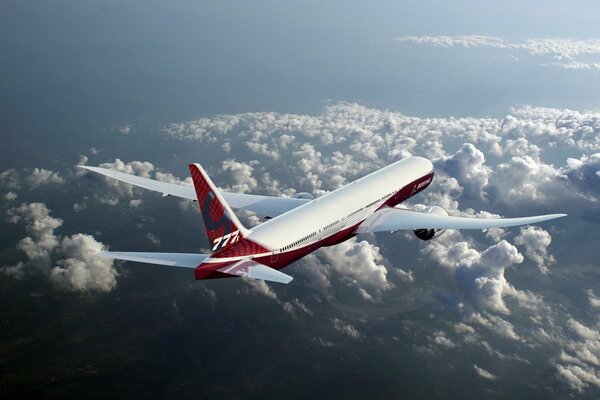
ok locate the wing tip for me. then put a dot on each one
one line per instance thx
(559, 215)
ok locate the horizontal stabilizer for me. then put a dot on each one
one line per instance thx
(185, 260)
(255, 270)
(268, 206)
(395, 219)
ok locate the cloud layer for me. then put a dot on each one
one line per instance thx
(564, 51)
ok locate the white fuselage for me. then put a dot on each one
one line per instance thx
(340, 209)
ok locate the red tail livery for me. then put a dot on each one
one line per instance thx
(222, 226)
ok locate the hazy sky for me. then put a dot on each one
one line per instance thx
(279, 97)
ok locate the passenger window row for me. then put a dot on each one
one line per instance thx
(305, 238)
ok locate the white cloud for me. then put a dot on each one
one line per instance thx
(10, 179)
(495, 324)
(80, 268)
(359, 264)
(536, 241)
(155, 240)
(134, 203)
(593, 299)
(484, 374)
(10, 196)
(463, 328)
(467, 165)
(579, 360)
(440, 339)
(453, 41)
(241, 175)
(40, 176)
(406, 276)
(450, 250)
(70, 261)
(575, 65)
(554, 48)
(346, 329)
(40, 226)
(483, 281)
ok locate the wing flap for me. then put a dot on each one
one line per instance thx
(185, 260)
(394, 219)
(255, 270)
(268, 206)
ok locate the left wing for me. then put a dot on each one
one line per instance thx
(268, 206)
(395, 219)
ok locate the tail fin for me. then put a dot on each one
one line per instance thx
(222, 226)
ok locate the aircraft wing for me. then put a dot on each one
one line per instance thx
(395, 219)
(185, 260)
(268, 206)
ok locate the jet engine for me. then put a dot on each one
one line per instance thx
(428, 234)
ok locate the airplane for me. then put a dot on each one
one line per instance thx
(297, 226)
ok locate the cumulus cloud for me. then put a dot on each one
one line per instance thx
(40, 176)
(495, 324)
(593, 299)
(406, 276)
(69, 261)
(40, 226)
(79, 267)
(359, 264)
(536, 241)
(580, 357)
(346, 329)
(483, 280)
(139, 168)
(240, 174)
(12, 180)
(480, 275)
(440, 339)
(348, 140)
(467, 165)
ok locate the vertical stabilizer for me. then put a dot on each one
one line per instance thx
(222, 226)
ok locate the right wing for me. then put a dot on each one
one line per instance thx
(185, 260)
(268, 206)
(395, 219)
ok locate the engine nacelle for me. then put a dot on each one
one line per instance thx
(303, 195)
(428, 234)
